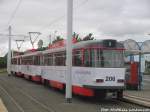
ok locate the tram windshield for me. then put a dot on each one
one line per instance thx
(103, 58)
(113, 58)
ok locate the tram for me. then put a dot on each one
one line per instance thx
(98, 67)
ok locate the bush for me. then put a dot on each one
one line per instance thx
(3, 62)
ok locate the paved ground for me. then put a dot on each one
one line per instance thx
(146, 82)
(2, 107)
(20, 95)
(145, 92)
(141, 96)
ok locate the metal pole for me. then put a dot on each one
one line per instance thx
(69, 51)
(50, 39)
(12, 53)
(33, 41)
(140, 74)
(9, 52)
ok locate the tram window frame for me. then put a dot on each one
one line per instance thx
(108, 58)
(14, 61)
(89, 57)
(92, 57)
(99, 58)
(36, 60)
(48, 59)
(23, 61)
(86, 58)
(78, 52)
(18, 63)
(28, 60)
(60, 58)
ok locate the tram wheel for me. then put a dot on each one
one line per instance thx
(100, 95)
(120, 94)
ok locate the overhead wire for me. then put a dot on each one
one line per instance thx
(14, 12)
(45, 27)
(61, 17)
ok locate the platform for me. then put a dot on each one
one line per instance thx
(2, 107)
(141, 97)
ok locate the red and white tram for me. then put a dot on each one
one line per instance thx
(98, 67)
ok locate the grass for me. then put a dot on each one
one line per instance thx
(2, 70)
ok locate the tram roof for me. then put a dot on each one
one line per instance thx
(75, 46)
(29, 54)
(82, 44)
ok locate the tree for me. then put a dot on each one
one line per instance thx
(40, 43)
(88, 37)
(76, 36)
(58, 38)
(3, 62)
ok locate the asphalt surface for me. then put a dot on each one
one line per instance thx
(141, 97)
(146, 82)
(20, 95)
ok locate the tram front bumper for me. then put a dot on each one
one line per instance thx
(105, 87)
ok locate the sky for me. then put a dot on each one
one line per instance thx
(115, 19)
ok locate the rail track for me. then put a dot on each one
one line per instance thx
(20, 95)
(16, 96)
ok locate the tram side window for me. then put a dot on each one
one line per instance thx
(11, 61)
(100, 59)
(86, 58)
(14, 61)
(18, 61)
(103, 58)
(48, 59)
(108, 62)
(60, 59)
(92, 58)
(77, 56)
(36, 60)
(28, 60)
(23, 61)
(89, 58)
(98, 63)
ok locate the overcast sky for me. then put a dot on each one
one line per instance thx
(117, 19)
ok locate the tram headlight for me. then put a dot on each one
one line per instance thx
(120, 80)
(99, 80)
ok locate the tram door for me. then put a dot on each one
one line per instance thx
(132, 75)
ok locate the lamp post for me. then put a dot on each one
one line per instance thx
(9, 52)
(140, 74)
(69, 51)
